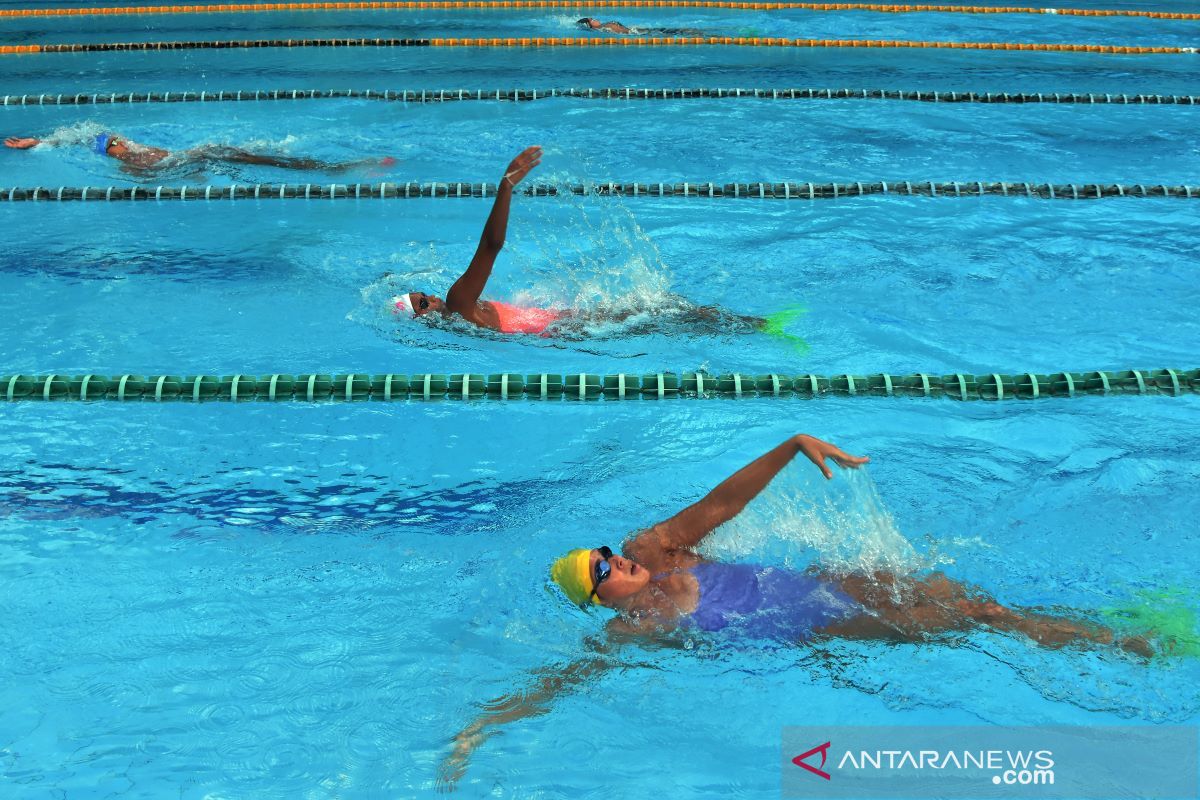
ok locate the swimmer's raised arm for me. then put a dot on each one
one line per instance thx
(685, 530)
(465, 293)
(21, 142)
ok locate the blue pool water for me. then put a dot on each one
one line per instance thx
(293, 600)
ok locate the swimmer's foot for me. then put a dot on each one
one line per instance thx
(372, 167)
(775, 325)
(1140, 646)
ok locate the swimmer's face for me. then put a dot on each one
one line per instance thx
(624, 579)
(589, 22)
(117, 147)
(424, 303)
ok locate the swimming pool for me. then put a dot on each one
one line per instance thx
(283, 600)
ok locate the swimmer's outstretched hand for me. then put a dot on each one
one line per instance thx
(20, 142)
(454, 766)
(521, 165)
(818, 451)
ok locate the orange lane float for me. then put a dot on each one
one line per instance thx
(593, 42)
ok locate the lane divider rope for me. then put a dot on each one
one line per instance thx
(700, 189)
(583, 386)
(508, 5)
(593, 41)
(603, 93)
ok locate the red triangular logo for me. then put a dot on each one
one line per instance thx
(823, 749)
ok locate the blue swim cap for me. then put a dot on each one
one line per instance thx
(100, 145)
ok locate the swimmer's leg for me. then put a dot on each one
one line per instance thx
(717, 317)
(234, 155)
(915, 609)
(1047, 630)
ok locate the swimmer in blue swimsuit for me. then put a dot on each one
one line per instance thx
(661, 587)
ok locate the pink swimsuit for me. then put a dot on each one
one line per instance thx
(514, 319)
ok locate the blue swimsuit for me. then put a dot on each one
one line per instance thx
(766, 602)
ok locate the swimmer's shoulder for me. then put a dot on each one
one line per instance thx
(484, 314)
(652, 549)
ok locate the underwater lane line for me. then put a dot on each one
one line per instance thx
(569, 41)
(601, 93)
(312, 387)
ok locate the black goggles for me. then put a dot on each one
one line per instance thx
(602, 571)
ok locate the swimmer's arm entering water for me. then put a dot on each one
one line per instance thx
(548, 684)
(463, 296)
(686, 529)
(21, 142)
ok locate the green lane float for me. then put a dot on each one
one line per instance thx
(314, 387)
(701, 190)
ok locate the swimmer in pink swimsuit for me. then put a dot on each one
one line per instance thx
(463, 297)
(464, 300)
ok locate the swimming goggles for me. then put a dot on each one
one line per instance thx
(424, 304)
(602, 571)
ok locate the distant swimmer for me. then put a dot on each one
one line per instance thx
(143, 157)
(612, 26)
(661, 587)
(463, 299)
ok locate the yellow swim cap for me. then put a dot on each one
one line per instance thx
(573, 575)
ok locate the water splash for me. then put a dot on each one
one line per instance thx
(842, 526)
(590, 256)
(80, 133)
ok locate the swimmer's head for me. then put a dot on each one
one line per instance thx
(109, 144)
(417, 304)
(588, 22)
(598, 576)
(118, 146)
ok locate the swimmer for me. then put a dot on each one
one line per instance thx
(464, 300)
(661, 587)
(612, 26)
(143, 157)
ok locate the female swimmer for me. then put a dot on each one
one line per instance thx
(612, 26)
(464, 300)
(136, 157)
(660, 587)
